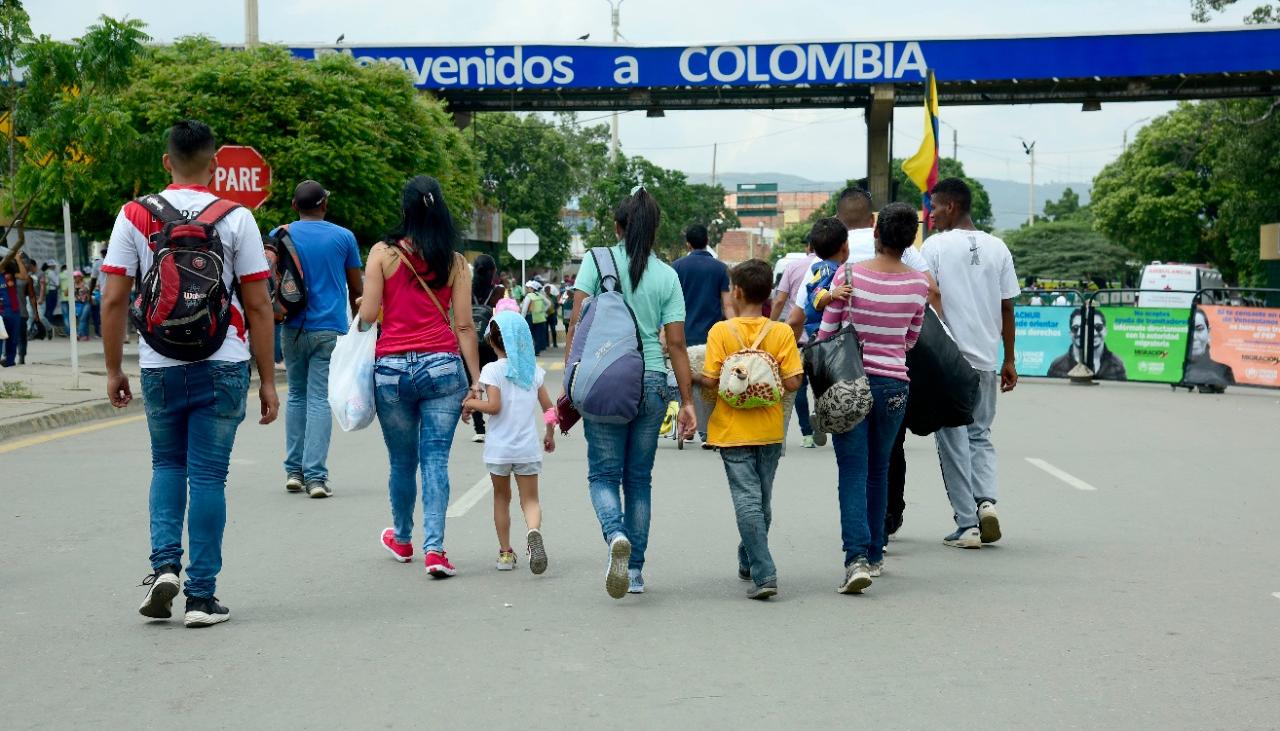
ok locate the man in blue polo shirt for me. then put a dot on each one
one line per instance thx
(330, 263)
(705, 281)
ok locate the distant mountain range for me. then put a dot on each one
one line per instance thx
(1008, 197)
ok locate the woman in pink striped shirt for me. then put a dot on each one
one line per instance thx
(884, 300)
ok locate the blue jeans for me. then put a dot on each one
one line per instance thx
(862, 461)
(278, 353)
(802, 408)
(192, 414)
(83, 319)
(419, 402)
(307, 420)
(13, 324)
(621, 456)
(968, 457)
(750, 471)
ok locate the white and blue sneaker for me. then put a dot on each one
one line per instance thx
(635, 581)
(964, 538)
(616, 579)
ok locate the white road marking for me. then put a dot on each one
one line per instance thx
(469, 498)
(1066, 477)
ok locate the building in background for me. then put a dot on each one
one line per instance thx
(757, 203)
(740, 244)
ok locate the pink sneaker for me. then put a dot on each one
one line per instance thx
(438, 565)
(403, 552)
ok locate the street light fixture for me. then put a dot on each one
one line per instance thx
(1030, 149)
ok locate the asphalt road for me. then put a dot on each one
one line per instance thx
(1149, 601)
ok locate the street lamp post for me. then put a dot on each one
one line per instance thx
(613, 137)
(1030, 149)
(250, 23)
(955, 141)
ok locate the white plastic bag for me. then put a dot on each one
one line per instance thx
(351, 378)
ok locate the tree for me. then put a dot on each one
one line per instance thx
(682, 204)
(793, 238)
(15, 31)
(80, 135)
(1067, 249)
(361, 131)
(1196, 185)
(1065, 207)
(1202, 11)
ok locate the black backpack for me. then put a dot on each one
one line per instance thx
(288, 284)
(482, 313)
(183, 306)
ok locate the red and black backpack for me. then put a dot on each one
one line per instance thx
(183, 305)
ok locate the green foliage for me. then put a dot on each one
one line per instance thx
(529, 158)
(793, 238)
(1196, 185)
(1065, 207)
(1068, 248)
(361, 132)
(1202, 11)
(682, 204)
(15, 390)
(101, 113)
(81, 136)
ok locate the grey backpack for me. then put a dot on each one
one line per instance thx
(605, 377)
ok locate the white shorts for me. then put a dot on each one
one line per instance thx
(523, 469)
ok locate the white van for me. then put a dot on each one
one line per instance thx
(1177, 284)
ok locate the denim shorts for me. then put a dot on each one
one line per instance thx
(523, 469)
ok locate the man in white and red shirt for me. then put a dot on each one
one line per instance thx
(193, 408)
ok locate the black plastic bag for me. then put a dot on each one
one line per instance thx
(944, 387)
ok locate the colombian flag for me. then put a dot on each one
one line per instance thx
(922, 168)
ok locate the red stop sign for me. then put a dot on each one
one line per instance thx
(242, 176)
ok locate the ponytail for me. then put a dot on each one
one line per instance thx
(427, 224)
(639, 216)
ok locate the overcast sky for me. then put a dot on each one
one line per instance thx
(822, 144)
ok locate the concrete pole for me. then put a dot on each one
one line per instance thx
(613, 141)
(715, 147)
(879, 116)
(250, 23)
(72, 329)
(1031, 189)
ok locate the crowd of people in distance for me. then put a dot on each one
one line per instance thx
(457, 342)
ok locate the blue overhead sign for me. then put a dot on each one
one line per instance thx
(584, 66)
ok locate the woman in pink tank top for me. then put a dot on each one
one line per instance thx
(425, 352)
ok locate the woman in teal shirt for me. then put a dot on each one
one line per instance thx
(621, 455)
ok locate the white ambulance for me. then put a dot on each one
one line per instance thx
(1175, 285)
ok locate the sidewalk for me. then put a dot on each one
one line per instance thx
(47, 375)
(56, 404)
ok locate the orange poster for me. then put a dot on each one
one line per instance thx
(1230, 345)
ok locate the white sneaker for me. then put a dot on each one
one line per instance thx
(876, 569)
(964, 538)
(478, 439)
(988, 522)
(616, 580)
(857, 576)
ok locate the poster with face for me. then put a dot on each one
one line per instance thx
(1084, 333)
(1043, 333)
(1150, 344)
(1234, 345)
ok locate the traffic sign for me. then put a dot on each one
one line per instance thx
(242, 176)
(522, 244)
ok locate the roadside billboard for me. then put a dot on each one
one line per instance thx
(1231, 345)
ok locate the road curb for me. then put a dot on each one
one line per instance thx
(83, 413)
(62, 418)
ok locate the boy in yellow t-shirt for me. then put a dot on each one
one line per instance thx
(750, 440)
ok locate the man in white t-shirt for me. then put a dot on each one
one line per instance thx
(976, 284)
(193, 407)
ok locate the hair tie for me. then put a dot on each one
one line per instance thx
(428, 199)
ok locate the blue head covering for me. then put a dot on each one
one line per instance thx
(518, 342)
